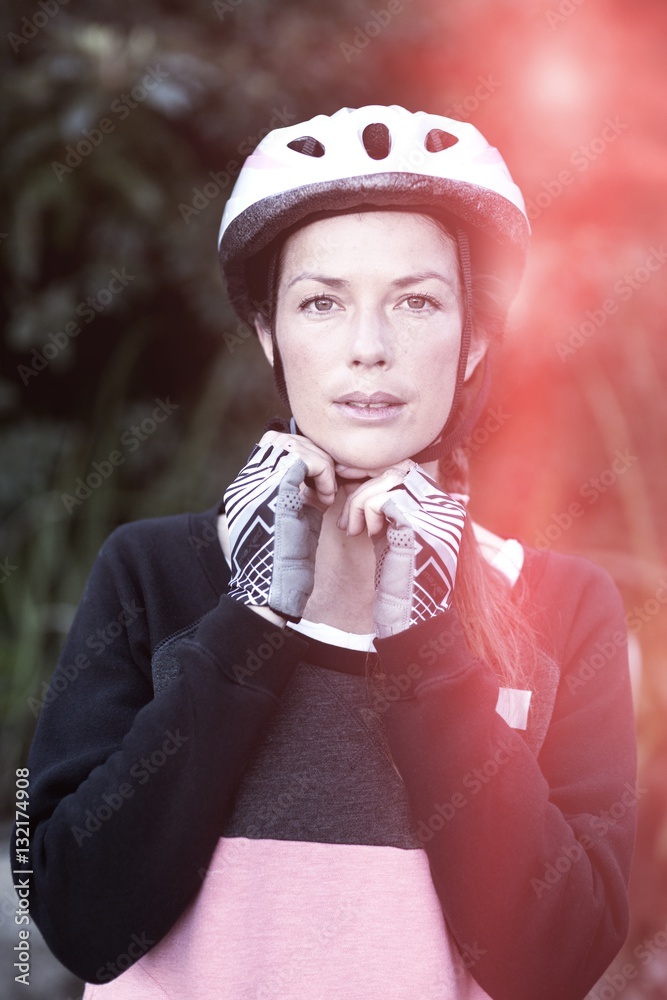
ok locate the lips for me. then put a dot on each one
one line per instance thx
(374, 406)
(375, 400)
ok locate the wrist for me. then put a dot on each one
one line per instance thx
(269, 614)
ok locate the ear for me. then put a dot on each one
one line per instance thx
(476, 353)
(264, 336)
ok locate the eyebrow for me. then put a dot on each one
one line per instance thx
(408, 279)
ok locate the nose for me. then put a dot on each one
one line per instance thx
(370, 340)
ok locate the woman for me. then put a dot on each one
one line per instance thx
(347, 744)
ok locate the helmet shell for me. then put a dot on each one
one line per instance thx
(428, 163)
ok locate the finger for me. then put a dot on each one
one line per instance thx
(357, 497)
(311, 497)
(319, 465)
(362, 509)
(375, 521)
(352, 472)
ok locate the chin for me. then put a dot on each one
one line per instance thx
(374, 455)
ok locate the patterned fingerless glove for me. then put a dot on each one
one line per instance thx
(416, 557)
(273, 533)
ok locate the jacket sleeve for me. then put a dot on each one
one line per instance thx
(530, 856)
(129, 792)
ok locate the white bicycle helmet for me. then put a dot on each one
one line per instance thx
(374, 157)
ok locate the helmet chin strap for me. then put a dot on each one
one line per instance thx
(445, 444)
(459, 424)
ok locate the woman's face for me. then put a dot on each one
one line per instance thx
(368, 323)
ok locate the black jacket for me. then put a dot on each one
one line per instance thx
(535, 867)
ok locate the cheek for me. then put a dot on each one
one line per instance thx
(301, 358)
(307, 370)
(433, 370)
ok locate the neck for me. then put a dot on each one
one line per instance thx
(344, 575)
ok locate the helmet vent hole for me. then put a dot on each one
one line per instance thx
(376, 140)
(437, 140)
(307, 145)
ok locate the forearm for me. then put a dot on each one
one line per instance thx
(123, 850)
(494, 824)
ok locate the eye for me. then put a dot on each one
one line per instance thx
(317, 304)
(420, 303)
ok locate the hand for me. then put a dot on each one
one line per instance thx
(274, 522)
(417, 531)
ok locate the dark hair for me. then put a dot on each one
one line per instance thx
(490, 608)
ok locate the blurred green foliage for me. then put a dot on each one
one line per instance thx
(116, 123)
